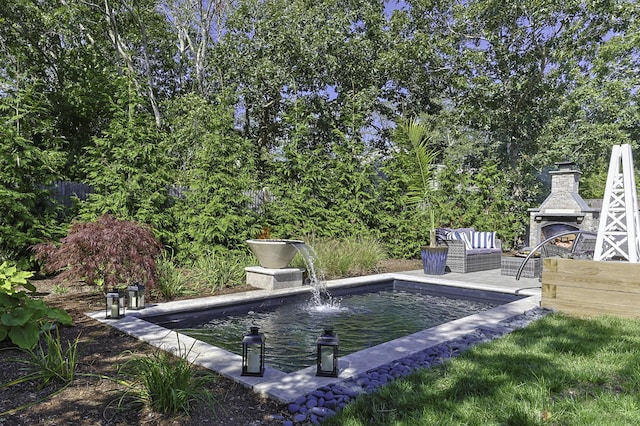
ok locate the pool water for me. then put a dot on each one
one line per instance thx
(362, 320)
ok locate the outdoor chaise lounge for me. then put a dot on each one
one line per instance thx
(470, 250)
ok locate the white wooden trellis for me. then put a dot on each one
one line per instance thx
(619, 227)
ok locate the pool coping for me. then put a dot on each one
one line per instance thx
(286, 387)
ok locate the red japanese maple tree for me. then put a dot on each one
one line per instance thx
(108, 251)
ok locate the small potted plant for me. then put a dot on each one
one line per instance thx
(420, 192)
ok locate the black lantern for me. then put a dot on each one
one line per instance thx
(136, 296)
(114, 304)
(253, 353)
(327, 358)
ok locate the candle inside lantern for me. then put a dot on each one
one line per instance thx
(326, 361)
(253, 359)
(115, 311)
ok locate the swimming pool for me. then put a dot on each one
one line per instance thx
(363, 316)
(287, 387)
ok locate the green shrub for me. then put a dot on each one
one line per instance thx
(24, 318)
(216, 270)
(168, 383)
(26, 162)
(351, 256)
(210, 272)
(50, 363)
(172, 282)
(216, 165)
(11, 279)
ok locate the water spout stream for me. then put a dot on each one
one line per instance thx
(321, 298)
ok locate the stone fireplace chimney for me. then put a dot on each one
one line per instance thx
(564, 209)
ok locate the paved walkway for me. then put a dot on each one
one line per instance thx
(489, 280)
(287, 387)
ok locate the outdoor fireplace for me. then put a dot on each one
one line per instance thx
(564, 209)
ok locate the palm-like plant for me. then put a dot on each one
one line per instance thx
(420, 188)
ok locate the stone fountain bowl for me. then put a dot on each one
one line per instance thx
(273, 253)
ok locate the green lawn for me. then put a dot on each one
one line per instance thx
(557, 371)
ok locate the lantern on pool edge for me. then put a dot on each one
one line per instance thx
(114, 304)
(253, 353)
(136, 296)
(327, 357)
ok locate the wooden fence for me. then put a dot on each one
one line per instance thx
(64, 192)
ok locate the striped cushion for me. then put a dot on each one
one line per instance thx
(467, 242)
(461, 236)
(442, 234)
(483, 240)
(454, 235)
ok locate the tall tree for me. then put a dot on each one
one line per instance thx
(54, 45)
(214, 174)
(128, 165)
(29, 160)
(328, 52)
(505, 56)
(511, 65)
(199, 24)
(600, 105)
(139, 36)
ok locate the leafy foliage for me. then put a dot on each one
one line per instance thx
(171, 280)
(421, 187)
(128, 166)
(409, 204)
(11, 278)
(483, 199)
(51, 362)
(210, 271)
(26, 162)
(299, 184)
(403, 230)
(349, 256)
(175, 115)
(168, 383)
(213, 271)
(214, 167)
(23, 318)
(108, 251)
(322, 181)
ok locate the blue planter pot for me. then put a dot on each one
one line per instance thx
(434, 260)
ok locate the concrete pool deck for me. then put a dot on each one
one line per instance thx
(286, 387)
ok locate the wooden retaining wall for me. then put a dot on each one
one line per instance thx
(586, 288)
